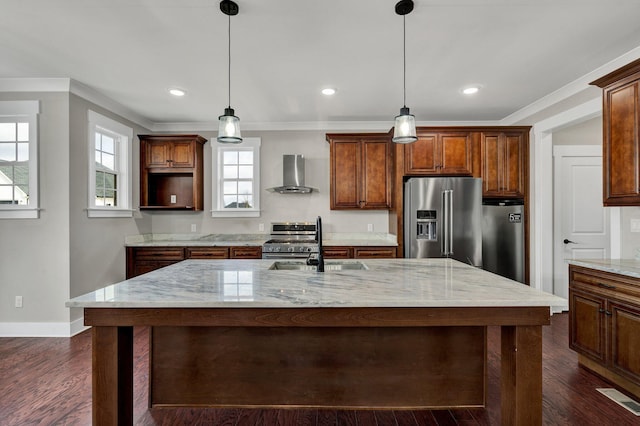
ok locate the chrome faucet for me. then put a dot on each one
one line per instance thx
(319, 259)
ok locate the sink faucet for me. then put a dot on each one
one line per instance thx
(319, 259)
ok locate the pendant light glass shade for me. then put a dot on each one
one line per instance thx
(229, 127)
(228, 123)
(404, 129)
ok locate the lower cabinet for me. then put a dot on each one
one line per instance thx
(604, 324)
(358, 252)
(141, 260)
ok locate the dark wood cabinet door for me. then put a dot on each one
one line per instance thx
(183, 154)
(422, 156)
(503, 164)
(360, 166)
(158, 154)
(376, 168)
(513, 166)
(621, 145)
(587, 321)
(455, 154)
(345, 169)
(624, 356)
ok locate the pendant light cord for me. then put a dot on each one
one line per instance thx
(404, 61)
(229, 62)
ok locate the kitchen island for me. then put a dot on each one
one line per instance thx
(402, 333)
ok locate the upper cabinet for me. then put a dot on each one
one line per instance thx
(171, 172)
(503, 164)
(439, 153)
(621, 138)
(360, 165)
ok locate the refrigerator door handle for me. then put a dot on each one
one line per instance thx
(447, 218)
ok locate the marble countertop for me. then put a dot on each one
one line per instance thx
(628, 267)
(213, 240)
(250, 283)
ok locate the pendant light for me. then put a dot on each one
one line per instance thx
(229, 124)
(404, 130)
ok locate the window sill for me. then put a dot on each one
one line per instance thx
(19, 213)
(235, 213)
(106, 213)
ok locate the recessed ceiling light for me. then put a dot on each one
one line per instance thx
(470, 90)
(177, 92)
(329, 91)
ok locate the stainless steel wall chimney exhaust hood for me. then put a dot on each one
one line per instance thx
(292, 176)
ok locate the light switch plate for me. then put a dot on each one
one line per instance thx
(635, 225)
(174, 199)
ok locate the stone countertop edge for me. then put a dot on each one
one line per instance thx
(213, 240)
(626, 267)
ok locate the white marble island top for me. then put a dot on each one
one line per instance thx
(250, 283)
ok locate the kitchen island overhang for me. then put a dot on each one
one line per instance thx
(406, 333)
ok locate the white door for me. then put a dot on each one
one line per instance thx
(581, 223)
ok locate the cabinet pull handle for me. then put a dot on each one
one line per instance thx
(603, 285)
(601, 311)
(607, 313)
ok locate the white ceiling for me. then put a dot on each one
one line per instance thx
(285, 51)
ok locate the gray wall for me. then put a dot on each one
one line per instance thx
(97, 244)
(34, 255)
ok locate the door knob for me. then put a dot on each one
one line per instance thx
(569, 241)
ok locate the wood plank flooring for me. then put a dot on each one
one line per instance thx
(47, 381)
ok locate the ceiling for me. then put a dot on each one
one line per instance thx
(285, 51)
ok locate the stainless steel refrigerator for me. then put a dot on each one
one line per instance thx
(503, 238)
(443, 218)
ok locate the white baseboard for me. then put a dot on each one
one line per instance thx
(42, 329)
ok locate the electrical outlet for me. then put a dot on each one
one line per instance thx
(18, 301)
(261, 227)
(194, 228)
(635, 225)
(174, 199)
(370, 227)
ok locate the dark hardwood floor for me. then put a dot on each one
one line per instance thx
(47, 381)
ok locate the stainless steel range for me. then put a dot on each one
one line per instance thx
(291, 240)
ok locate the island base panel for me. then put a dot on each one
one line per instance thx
(368, 367)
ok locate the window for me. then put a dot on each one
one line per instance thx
(109, 167)
(18, 160)
(237, 172)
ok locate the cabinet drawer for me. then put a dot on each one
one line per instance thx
(372, 253)
(159, 253)
(246, 252)
(337, 252)
(207, 253)
(603, 282)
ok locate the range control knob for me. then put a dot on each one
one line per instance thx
(290, 249)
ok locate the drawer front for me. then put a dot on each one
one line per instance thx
(373, 253)
(603, 282)
(337, 252)
(207, 252)
(246, 252)
(159, 253)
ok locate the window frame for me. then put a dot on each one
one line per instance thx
(217, 151)
(24, 111)
(123, 140)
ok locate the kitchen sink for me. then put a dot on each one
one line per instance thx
(292, 265)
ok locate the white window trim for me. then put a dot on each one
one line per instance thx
(216, 175)
(124, 149)
(25, 110)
